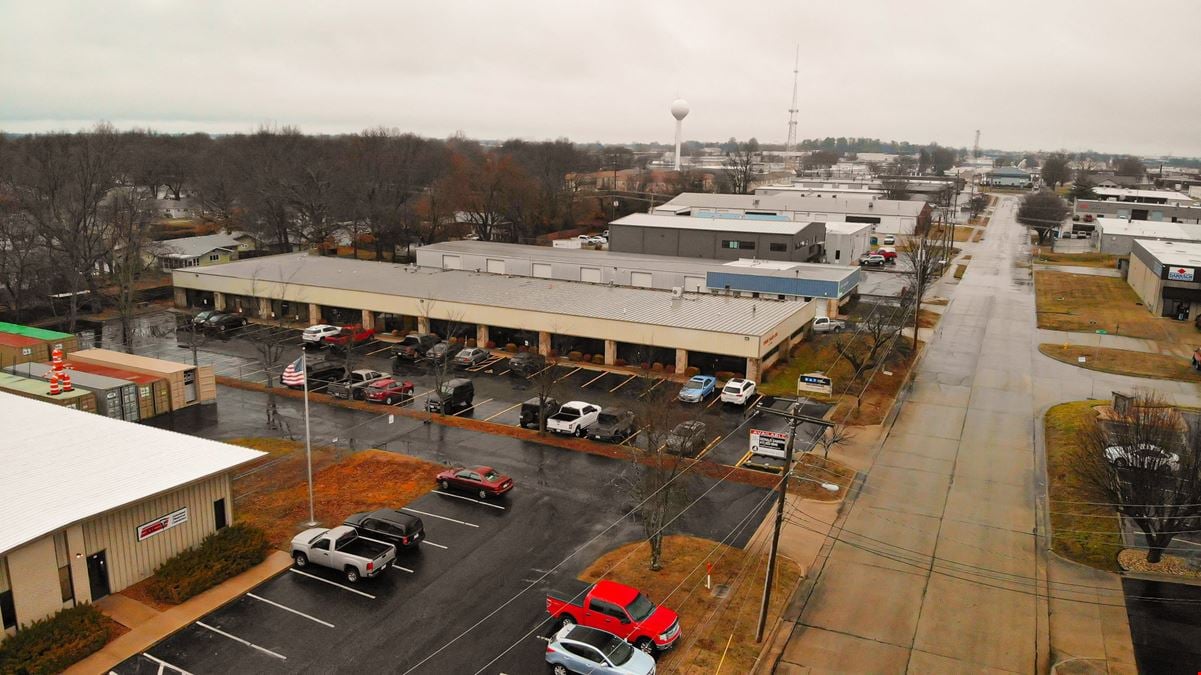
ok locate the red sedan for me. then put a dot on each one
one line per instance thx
(389, 391)
(481, 480)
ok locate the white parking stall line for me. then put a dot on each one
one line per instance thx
(713, 402)
(403, 569)
(573, 372)
(472, 407)
(332, 583)
(515, 405)
(430, 543)
(434, 515)
(469, 499)
(652, 388)
(235, 638)
(603, 373)
(163, 664)
(383, 349)
(289, 609)
(504, 372)
(623, 383)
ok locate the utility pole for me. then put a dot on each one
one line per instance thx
(794, 421)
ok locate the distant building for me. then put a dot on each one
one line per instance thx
(1009, 176)
(1164, 275)
(1143, 196)
(1139, 211)
(885, 215)
(718, 238)
(209, 249)
(1116, 236)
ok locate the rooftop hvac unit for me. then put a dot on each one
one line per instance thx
(677, 291)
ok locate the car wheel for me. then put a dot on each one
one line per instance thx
(483, 495)
(388, 401)
(444, 485)
(1121, 463)
(301, 560)
(646, 646)
(560, 669)
(352, 575)
(567, 620)
(580, 432)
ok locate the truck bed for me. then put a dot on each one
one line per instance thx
(365, 549)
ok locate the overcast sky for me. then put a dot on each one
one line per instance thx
(1109, 75)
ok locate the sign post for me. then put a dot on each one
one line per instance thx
(815, 382)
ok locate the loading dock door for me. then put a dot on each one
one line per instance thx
(451, 262)
(496, 266)
(542, 270)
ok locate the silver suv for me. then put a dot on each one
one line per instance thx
(580, 649)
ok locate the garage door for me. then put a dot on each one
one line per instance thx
(496, 266)
(542, 270)
(643, 279)
(590, 274)
(694, 284)
(451, 262)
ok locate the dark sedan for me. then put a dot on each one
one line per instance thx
(395, 527)
(483, 481)
(224, 323)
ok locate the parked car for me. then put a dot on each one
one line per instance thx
(890, 255)
(482, 481)
(203, 316)
(621, 610)
(388, 391)
(472, 356)
(341, 548)
(580, 649)
(395, 527)
(1147, 456)
(532, 411)
(526, 364)
(889, 240)
(455, 395)
(439, 353)
(613, 425)
(349, 337)
(697, 388)
(1197, 351)
(872, 260)
(314, 336)
(823, 324)
(352, 387)
(320, 374)
(687, 438)
(224, 323)
(574, 417)
(414, 346)
(738, 391)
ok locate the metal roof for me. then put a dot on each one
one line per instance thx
(78, 378)
(30, 331)
(62, 466)
(1172, 253)
(1152, 194)
(637, 261)
(119, 359)
(1157, 229)
(736, 225)
(696, 311)
(36, 386)
(787, 202)
(191, 247)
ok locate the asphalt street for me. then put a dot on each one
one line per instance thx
(489, 582)
(1163, 625)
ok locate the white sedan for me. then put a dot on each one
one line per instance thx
(1147, 456)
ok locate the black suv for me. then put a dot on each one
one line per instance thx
(531, 413)
(526, 364)
(321, 373)
(395, 527)
(456, 395)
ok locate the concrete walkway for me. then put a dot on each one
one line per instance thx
(150, 626)
(939, 565)
(1076, 269)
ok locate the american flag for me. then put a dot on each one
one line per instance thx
(294, 374)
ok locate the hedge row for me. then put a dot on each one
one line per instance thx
(55, 643)
(223, 554)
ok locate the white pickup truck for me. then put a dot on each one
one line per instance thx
(824, 324)
(574, 418)
(341, 548)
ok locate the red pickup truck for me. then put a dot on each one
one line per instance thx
(621, 610)
(349, 336)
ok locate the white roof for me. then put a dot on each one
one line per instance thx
(1173, 253)
(1145, 194)
(785, 202)
(739, 225)
(191, 247)
(847, 228)
(62, 466)
(1153, 229)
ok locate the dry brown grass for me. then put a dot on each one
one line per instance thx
(708, 624)
(1135, 560)
(960, 270)
(1103, 260)
(927, 318)
(1124, 362)
(1088, 303)
(962, 232)
(1086, 533)
(275, 497)
(978, 236)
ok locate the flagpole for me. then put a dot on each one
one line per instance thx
(308, 445)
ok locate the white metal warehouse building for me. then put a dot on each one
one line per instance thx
(93, 505)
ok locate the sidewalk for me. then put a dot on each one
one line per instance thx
(152, 626)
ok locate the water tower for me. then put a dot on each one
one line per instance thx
(679, 110)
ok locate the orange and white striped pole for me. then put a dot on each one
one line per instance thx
(54, 390)
(65, 378)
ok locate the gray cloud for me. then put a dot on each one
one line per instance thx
(1102, 74)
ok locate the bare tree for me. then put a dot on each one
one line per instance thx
(270, 344)
(125, 216)
(24, 263)
(1043, 212)
(546, 385)
(922, 262)
(739, 167)
(832, 437)
(873, 338)
(895, 189)
(1146, 461)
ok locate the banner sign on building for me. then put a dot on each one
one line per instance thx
(1181, 273)
(148, 530)
(769, 443)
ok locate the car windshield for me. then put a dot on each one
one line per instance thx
(640, 608)
(619, 651)
(606, 418)
(490, 476)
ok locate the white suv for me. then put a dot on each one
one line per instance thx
(737, 391)
(315, 335)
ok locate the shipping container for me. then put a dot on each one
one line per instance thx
(115, 398)
(19, 349)
(39, 389)
(154, 393)
(53, 339)
(189, 385)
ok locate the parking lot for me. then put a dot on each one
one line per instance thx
(483, 573)
(498, 393)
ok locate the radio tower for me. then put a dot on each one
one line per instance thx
(790, 145)
(976, 146)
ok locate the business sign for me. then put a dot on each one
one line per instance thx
(769, 443)
(162, 524)
(815, 382)
(1181, 273)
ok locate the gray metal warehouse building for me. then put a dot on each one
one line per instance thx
(718, 238)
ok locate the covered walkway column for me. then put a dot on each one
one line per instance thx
(610, 352)
(181, 297)
(423, 324)
(314, 313)
(752, 369)
(681, 361)
(218, 301)
(368, 319)
(481, 336)
(265, 308)
(544, 343)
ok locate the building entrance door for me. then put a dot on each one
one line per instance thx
(98, 575)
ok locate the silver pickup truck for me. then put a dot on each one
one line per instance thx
(353, 387)
(341, 548)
